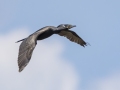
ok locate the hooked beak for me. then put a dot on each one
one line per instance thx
(73, 26)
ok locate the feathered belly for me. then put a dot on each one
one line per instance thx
(44, 35)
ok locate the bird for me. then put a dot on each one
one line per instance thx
(28, 44)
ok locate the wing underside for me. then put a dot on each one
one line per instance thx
(25, 53)
(72, 36)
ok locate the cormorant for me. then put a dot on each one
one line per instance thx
(28, 44)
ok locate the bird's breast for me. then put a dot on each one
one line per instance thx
(45, 35)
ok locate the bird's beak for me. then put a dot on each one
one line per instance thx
(73, 26)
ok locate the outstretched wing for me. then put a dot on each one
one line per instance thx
(25, 52)
(27, 46)
(72, 36)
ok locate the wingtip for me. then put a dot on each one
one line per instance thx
(19, 70)
(85, 44)
(88, 43)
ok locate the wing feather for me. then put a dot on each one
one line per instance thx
(25, 52)
(72, 36)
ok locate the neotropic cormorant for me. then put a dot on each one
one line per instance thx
(28, 44)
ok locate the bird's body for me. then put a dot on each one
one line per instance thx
(42, 33)
(45, 34)
(28, 44)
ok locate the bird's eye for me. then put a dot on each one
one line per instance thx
(69, 27)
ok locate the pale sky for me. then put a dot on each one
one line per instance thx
(57, 63)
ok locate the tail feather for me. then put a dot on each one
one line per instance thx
(20, 40)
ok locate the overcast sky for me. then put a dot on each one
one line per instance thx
(57, 63)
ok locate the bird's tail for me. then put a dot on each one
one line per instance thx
(20, 40)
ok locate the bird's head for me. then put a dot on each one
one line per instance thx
(68, 26)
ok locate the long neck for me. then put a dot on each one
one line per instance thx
(59, 29)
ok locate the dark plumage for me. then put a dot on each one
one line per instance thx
(28, 44)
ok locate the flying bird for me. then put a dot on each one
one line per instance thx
(28, 44)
